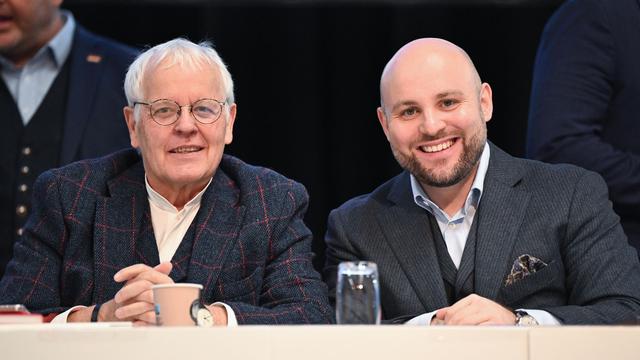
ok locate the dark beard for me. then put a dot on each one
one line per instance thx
(470, 156)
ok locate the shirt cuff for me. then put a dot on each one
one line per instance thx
(231, 316)
(424, 319)
(62, 317)
(542, 317)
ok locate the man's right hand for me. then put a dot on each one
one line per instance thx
(134, 302)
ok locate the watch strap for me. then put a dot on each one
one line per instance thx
(95, 312)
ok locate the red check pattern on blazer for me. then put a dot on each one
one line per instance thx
(248, 245)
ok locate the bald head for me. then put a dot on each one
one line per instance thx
(430, 59)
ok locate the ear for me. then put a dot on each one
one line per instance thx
(228, 134)
(384, 121)
(130, 118)
(486, 102)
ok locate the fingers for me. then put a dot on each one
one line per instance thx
(441, 314)
(135, 291)
(134, 302)
(164, 267)
(145, 277)
(138, 310)
(475, 310)
(133, 271)
(470, 315)
(146, 320)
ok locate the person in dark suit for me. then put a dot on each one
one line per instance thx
(60, 95)
(174, 209)
(468, 234)
(586, 87)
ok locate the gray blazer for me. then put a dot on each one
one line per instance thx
(561, 214)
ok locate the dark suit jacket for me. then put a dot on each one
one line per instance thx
(250, 248)
(585, 95)
(94, 124)
(559, 214)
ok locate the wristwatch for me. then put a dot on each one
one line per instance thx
(524, 319)
(201, 315)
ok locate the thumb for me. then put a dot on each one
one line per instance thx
(164, 267)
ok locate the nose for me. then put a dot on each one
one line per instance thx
(431, 123)
(186, 123)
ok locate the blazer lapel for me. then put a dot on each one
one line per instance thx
(406, 228)
(217, 227)
(123, 234)
(86, 70)
(500, 215)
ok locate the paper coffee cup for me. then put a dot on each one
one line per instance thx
(173, 302)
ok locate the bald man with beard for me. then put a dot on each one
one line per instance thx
(467, 234)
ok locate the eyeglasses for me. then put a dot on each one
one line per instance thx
(166, 112)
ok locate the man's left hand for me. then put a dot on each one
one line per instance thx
(475, 310)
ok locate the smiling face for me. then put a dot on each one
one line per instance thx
(434, 112)
(180, 159)
(26, 25)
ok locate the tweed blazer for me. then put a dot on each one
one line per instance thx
(250, 248)
(559, 214)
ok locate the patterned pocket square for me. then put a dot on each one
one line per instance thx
(524, 266)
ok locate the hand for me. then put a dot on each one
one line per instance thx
(474, 310)
(134, 302)
(219, 314)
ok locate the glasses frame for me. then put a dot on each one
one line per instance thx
(190, 106)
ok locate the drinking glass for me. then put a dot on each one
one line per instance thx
(358, 293)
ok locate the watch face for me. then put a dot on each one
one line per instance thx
(524, 319)
(200, 315)
(204, 317)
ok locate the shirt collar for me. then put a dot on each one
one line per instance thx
(57, 49)
(161, 202)
(60, 45)
(473, 198)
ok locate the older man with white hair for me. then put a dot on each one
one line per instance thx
(175, 209)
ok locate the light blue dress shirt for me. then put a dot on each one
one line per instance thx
(30, 84)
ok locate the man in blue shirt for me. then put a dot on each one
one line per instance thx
(61, 91)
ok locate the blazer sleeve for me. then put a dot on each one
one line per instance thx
(292, 290)
(32, 276)
(602, 281)
(574, 82)
(339, 248)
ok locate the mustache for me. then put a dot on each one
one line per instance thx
(439, 135)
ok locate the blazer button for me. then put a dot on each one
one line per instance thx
(23, 187)
(26, 150)
(21, 210)
(24, 170)
(19, 231)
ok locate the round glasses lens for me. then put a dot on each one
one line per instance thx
(164, 112)
(206, 110)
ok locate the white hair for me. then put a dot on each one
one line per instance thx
(179, 52)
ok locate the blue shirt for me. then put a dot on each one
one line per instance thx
(29, 84)
(455, 229)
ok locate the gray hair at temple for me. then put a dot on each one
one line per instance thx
(180, 52)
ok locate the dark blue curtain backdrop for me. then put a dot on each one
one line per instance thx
(306, 77)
